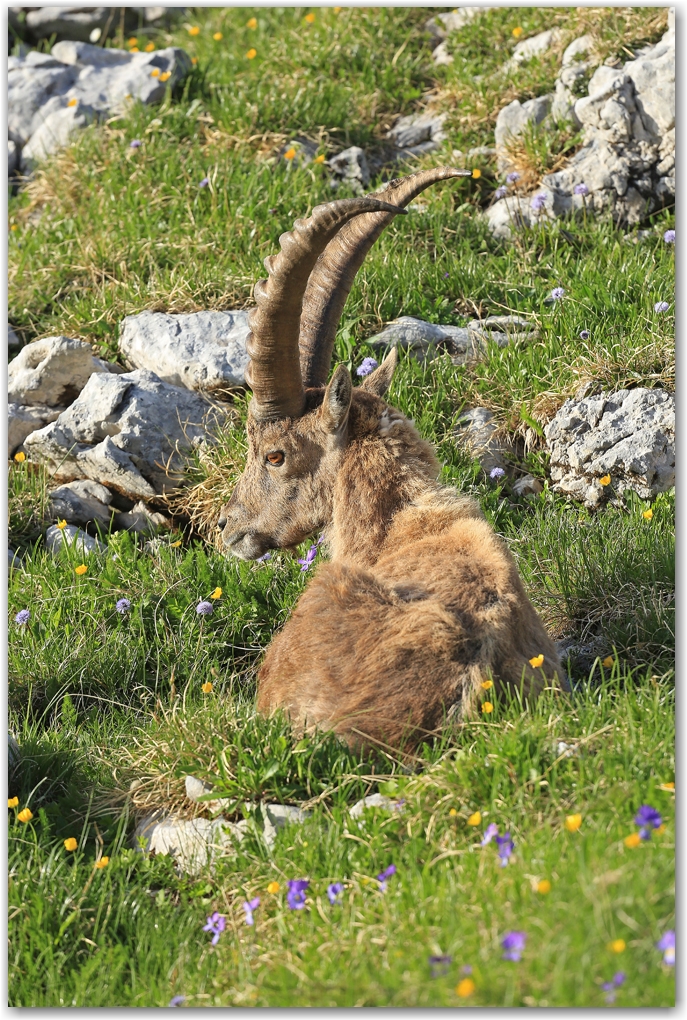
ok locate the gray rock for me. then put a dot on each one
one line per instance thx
(441, 56)
(59, 126)
(12, 157)
(129, 432)
(13, 562)
(13, 752)
(628, 434)
(350, 167)
(30, 84)
(426, 340)
(305, 151)
(583, 45)
(194, 844)
(83, 502)
(534, 46)
(417, 134)
(51, 371)
(375, 800)
(142, 520)
(12, 338)
(476, 431)
(76, 22)
(528, 485)
(442, 25)
(501, 330)
(277, 816)
(58, 538)
(196, 788)
(509, 214)
(515, 118)
(200, 351)
(23, 420)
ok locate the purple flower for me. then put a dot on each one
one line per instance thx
(23, 616)
(496, 472)
(265, 556)
(249, 906)
(580, 189)
(648, 818)
(669, 237)
(506, 846)
(367, 365)
(204, 183)
(177, 1000)
(538, 202)
(123, 606)
(661, 306)
(584, 334)
(501, 191)
(440, 965)
(619, 978)
(204, 608)
(216, 924)
(384, 875)
(667, 946)
(334, 892)
(309, 557)
(514, 944)
(466, 969)
(295, 897)
(445, 276)
(557, 293)
(513, 177)
(398, 805)
(489, 833)
(136, 144)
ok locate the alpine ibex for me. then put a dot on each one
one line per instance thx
(420, 602)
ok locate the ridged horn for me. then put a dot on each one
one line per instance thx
(333, 274)
(273, 372)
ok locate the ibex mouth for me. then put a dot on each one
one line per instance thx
(247, 545)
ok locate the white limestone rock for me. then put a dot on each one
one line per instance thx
(513, 120)
(534, 46)
(33, 80)
(51, 371)
(200, 351)
(193, 843)
(130, 432)
(141, 520)
(427, 340)
(417, 134)
(12, 157)
(628, 434)
(477, 431)
(23, 420)
(350, 167)
(57, 539)
(442, 25)
(84, 502)
(12, 338)
(527, 485)
(59, 125)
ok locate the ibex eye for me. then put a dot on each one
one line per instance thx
(276, 458)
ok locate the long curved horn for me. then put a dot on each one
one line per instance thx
(333, 274)
(273, 372)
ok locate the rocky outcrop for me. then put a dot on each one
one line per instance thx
(81, 503)
(51, 371)
(23, 420)
(602, 445)
(417, 134)
(88, 24)
(129, 432)
(57, 539)
(200, 351)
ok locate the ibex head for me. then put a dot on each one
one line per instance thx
(298, 426)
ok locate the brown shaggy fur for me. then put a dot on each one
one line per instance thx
(421, 601)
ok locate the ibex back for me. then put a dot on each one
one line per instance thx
(421, 601)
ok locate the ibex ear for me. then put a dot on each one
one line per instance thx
(379, 381)
(337, 400)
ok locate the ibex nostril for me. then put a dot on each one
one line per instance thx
(222, 523)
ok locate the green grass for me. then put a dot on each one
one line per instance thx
(98, 700)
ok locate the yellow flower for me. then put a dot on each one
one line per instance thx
(165, 76)
(103, 862)
(155, 73)
(608, 662)
(175, 545)
(20, 457)
(465, 988)
(573, 822)
(70, 844)
(476, 173)
(252, 23)
(452, 813)
(194, 30)
(14, 227)
(132, 41)
(660, 830)
(150, 47)
(319, 159)
(72, 102)
(487, 685)
(517, 32)
(670, 787)
(648, 514)
(251, 53)
(12, 801)
(80, 569)
(487, 707)
(337, 9)
(194, 60)
(475, 818)
(217, 593)
(544, 886)
(217, 36)
(606, 480)
(61, 525)
(207, 687)
(310, 18)
(273, 887)
(134, 49)
(632, 841)
(290, 153)
(536, 661)
(25, 816)
(617, 946)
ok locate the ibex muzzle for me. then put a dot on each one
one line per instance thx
(421, 601)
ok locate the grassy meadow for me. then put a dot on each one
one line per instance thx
(109, 708)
